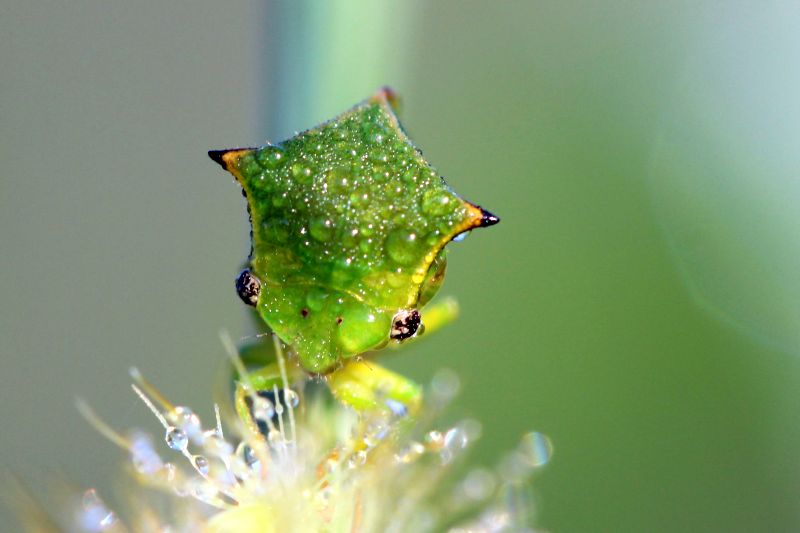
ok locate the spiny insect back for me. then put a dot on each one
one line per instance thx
(349, 227)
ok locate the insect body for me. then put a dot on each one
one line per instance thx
(349, 224)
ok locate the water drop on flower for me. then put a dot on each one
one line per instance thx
(445, 384)
(185, 419)
(274, 437)
(201, 463)
(144, 458)
(291, 397)
(535, 449)
(398, 409)
(95, 515)
(479, 484)
(176, 438)
(434, 439)
(357, 459)
(203, 490)
(410, 453)
(454, 440)
(263, 409)
(216, 445)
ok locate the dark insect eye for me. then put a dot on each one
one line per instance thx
(405, 324)
(248, 287)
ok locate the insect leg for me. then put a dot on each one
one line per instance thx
(367, 386)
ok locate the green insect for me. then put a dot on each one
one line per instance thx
(349, 227)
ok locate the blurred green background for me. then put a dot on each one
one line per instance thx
(639, 303)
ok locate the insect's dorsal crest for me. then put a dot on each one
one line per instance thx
(347, 219)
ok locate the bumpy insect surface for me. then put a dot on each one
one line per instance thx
(349, 224)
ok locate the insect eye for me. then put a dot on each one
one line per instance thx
(405, 324)
(248, 287)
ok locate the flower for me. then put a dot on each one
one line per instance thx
(300, 461)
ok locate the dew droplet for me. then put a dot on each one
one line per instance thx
(291, 397)
(315, 299)
(410, 453)
(276, 230)
(216, 445)
(95, 515)
(144, 458)
(436, 202)
(402, 246)
(301, 173)
(445, 384)
(357, 459)
(176, 438)
(248, 165)
(398, 409)
(434, 440)
(536, 449)
(454, 440)
(263, 409)
(275, 437)
(201, 464)
(461, 236)
(203, 490)
(479, 484)
(271, 157)
(321, 229)
(185, 419)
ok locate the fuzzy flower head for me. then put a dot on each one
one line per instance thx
(297, 460)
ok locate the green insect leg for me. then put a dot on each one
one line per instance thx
(366, 386)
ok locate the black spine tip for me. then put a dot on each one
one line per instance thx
(488, 219)
(216, 155)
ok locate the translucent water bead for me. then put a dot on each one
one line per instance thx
(176, 438)
(188, 421)
(143, 456)
(263, 409)
(95, 516)
(535, 449)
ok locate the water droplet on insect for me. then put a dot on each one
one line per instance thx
(461, 236)
(301, 173)
(321, 229)
(315, 299)
(176, 438)
(436, 202)
(401, 245)
(536, 449)
(247, 164)
(271, 157)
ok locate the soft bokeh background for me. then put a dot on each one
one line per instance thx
(639, 302)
